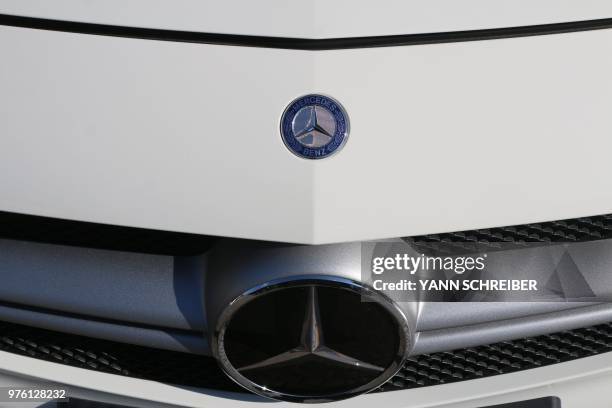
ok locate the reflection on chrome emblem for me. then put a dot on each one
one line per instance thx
(314, 126)
(311, 343)
(311, 339)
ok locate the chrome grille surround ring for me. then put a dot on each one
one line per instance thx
(310, 350)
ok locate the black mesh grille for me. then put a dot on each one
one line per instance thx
(199, 371)
(501, 358)
(92, 235)
(573, 230)
(115, 358)
(86, 234)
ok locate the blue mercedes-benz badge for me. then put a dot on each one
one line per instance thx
(314, 126)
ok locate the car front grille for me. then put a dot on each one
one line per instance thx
(201, 371)
(114, 358)
(502, 358)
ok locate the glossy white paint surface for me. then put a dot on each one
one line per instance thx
(314, 18)
(185, 137)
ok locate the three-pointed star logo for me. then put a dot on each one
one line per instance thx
(311, 133)
(312, 343)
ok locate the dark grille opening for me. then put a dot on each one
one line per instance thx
(102, 236)
(199, 371)
(501, 358)
(114, 358)
(563, 231)
(574, 230)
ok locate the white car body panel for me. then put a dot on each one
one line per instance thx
(314, 18)
(185, 137)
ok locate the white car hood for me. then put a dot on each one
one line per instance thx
(180, 136)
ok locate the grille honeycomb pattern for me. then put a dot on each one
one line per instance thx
(201, 371)
(567, 231)
(501, 358)
(114, 358)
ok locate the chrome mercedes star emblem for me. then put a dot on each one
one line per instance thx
(312, 343)
(314, 126)
(311, 339)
